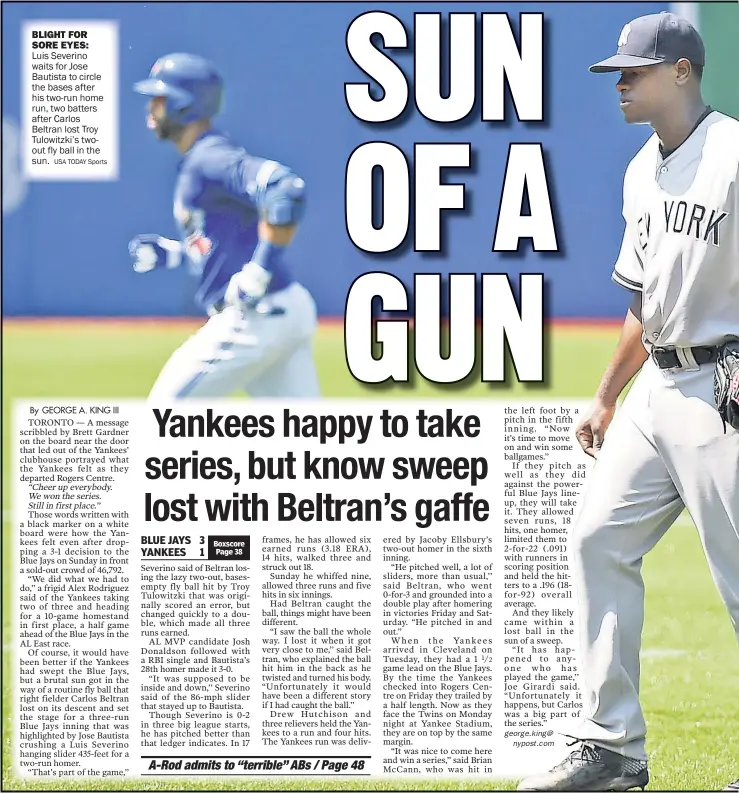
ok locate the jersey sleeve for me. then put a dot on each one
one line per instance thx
(629, 268)
(240, 175)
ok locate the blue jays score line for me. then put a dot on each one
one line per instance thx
(420, 193)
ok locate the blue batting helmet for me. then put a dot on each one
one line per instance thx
(192, 86)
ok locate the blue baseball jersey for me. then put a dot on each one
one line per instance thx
(216, 213)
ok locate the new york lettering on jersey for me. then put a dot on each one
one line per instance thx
(215, 210)
(681, 217)
(681, 221)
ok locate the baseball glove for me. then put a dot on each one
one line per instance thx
(726, 383)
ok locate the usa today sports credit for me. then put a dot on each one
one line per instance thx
(356, 365)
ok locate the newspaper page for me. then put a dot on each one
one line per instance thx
(351, 389)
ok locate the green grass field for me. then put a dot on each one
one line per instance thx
(690, 669)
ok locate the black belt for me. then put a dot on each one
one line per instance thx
(669, 358)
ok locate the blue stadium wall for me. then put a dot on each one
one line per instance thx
(65, 244)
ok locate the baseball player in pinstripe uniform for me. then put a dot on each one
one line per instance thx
(236, 214)
(667, 448)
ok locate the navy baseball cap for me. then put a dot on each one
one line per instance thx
(652, 39)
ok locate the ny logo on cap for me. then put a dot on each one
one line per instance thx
(624, 34)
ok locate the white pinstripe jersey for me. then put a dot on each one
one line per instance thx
(681, 244)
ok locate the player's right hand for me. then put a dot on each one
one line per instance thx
(591, 431)
(151, 252)
(248, 286)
